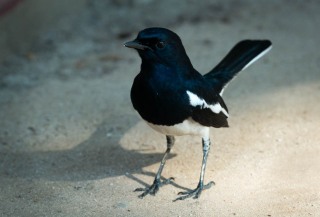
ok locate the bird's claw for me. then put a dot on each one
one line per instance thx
(196, 192)
(154, 188)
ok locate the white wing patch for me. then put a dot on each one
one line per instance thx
(197, 101)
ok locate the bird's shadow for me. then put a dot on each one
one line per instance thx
(98, 157)
(134, 178)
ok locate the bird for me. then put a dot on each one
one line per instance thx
(174, 99)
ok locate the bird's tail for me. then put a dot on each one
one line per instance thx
(240, 57)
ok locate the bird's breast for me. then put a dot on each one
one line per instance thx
(160, 101)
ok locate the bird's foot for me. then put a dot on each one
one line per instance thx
(194, 193)
(154, 188)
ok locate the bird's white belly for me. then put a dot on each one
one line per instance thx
(187, 127)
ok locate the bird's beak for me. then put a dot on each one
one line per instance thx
(136, 45)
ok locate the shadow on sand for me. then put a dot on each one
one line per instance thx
(96, 158)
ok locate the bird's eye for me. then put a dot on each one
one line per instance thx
(160, 45)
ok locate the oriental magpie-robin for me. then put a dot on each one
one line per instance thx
(175, 99)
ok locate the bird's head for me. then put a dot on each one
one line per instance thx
(160, 46)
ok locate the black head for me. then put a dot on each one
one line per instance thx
(160, 46)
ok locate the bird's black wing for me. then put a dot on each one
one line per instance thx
(240, 57)
(208, 108)
(206, 117)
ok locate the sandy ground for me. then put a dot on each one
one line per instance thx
(72, 145)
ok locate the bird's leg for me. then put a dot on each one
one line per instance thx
(196, 192)
(157, 183)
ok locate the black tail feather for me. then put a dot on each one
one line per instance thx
(241, 56)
